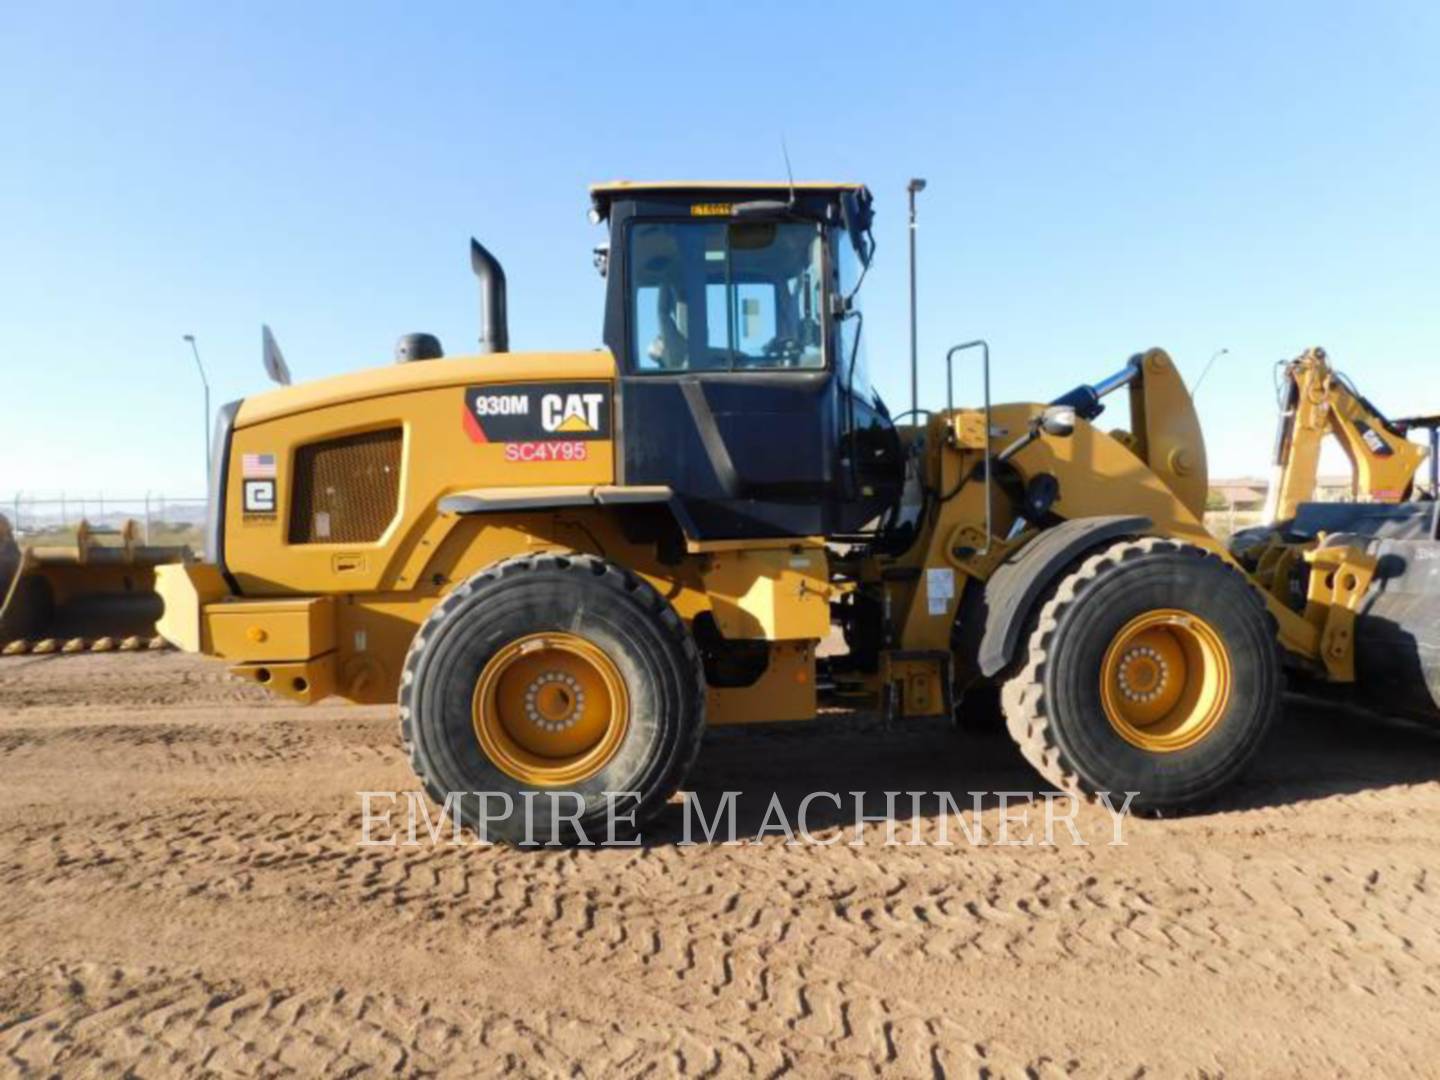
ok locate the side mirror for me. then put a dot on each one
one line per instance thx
(856, 217)
(1058, 420)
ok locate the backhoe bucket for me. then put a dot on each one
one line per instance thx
(89, 597)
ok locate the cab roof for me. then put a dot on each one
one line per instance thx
(605, 192)
(612, 186)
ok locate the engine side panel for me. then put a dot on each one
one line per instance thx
(335, 493)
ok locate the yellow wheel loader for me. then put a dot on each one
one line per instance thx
(565, 565)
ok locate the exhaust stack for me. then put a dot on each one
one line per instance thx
(494, 326)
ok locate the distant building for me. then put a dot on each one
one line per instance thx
(1248, 493)
(1334, 489)
(1243, 494)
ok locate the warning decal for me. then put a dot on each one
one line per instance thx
(939, 589)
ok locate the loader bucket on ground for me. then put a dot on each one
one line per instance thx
(1397, 633)
(90, 596)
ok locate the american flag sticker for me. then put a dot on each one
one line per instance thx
(257, 466)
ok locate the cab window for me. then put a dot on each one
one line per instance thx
(718, 296)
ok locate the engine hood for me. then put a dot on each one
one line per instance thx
(496, 368)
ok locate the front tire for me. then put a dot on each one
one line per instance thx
(543, 683)
(1153, 668)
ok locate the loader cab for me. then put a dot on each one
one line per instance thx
(743, 385)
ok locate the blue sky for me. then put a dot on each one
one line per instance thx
(1102, 177)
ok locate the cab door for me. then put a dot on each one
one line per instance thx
(729, 395)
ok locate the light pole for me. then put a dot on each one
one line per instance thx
(912, 189)
(1196, 388)
(195, 349)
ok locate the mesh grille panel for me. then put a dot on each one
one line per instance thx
(346, 490)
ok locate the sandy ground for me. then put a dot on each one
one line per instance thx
(183, 888)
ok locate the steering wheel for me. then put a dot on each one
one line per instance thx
(786, 351)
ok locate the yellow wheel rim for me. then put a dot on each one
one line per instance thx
(550, 709)
(1165, 681)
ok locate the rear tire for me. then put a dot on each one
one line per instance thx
(532, 652)
(1153, 668)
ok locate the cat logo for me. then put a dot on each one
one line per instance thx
(571, 414)
(527, 412)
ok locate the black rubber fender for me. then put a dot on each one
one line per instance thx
(1019, 582)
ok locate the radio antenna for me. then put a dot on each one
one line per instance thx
(789, 173)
